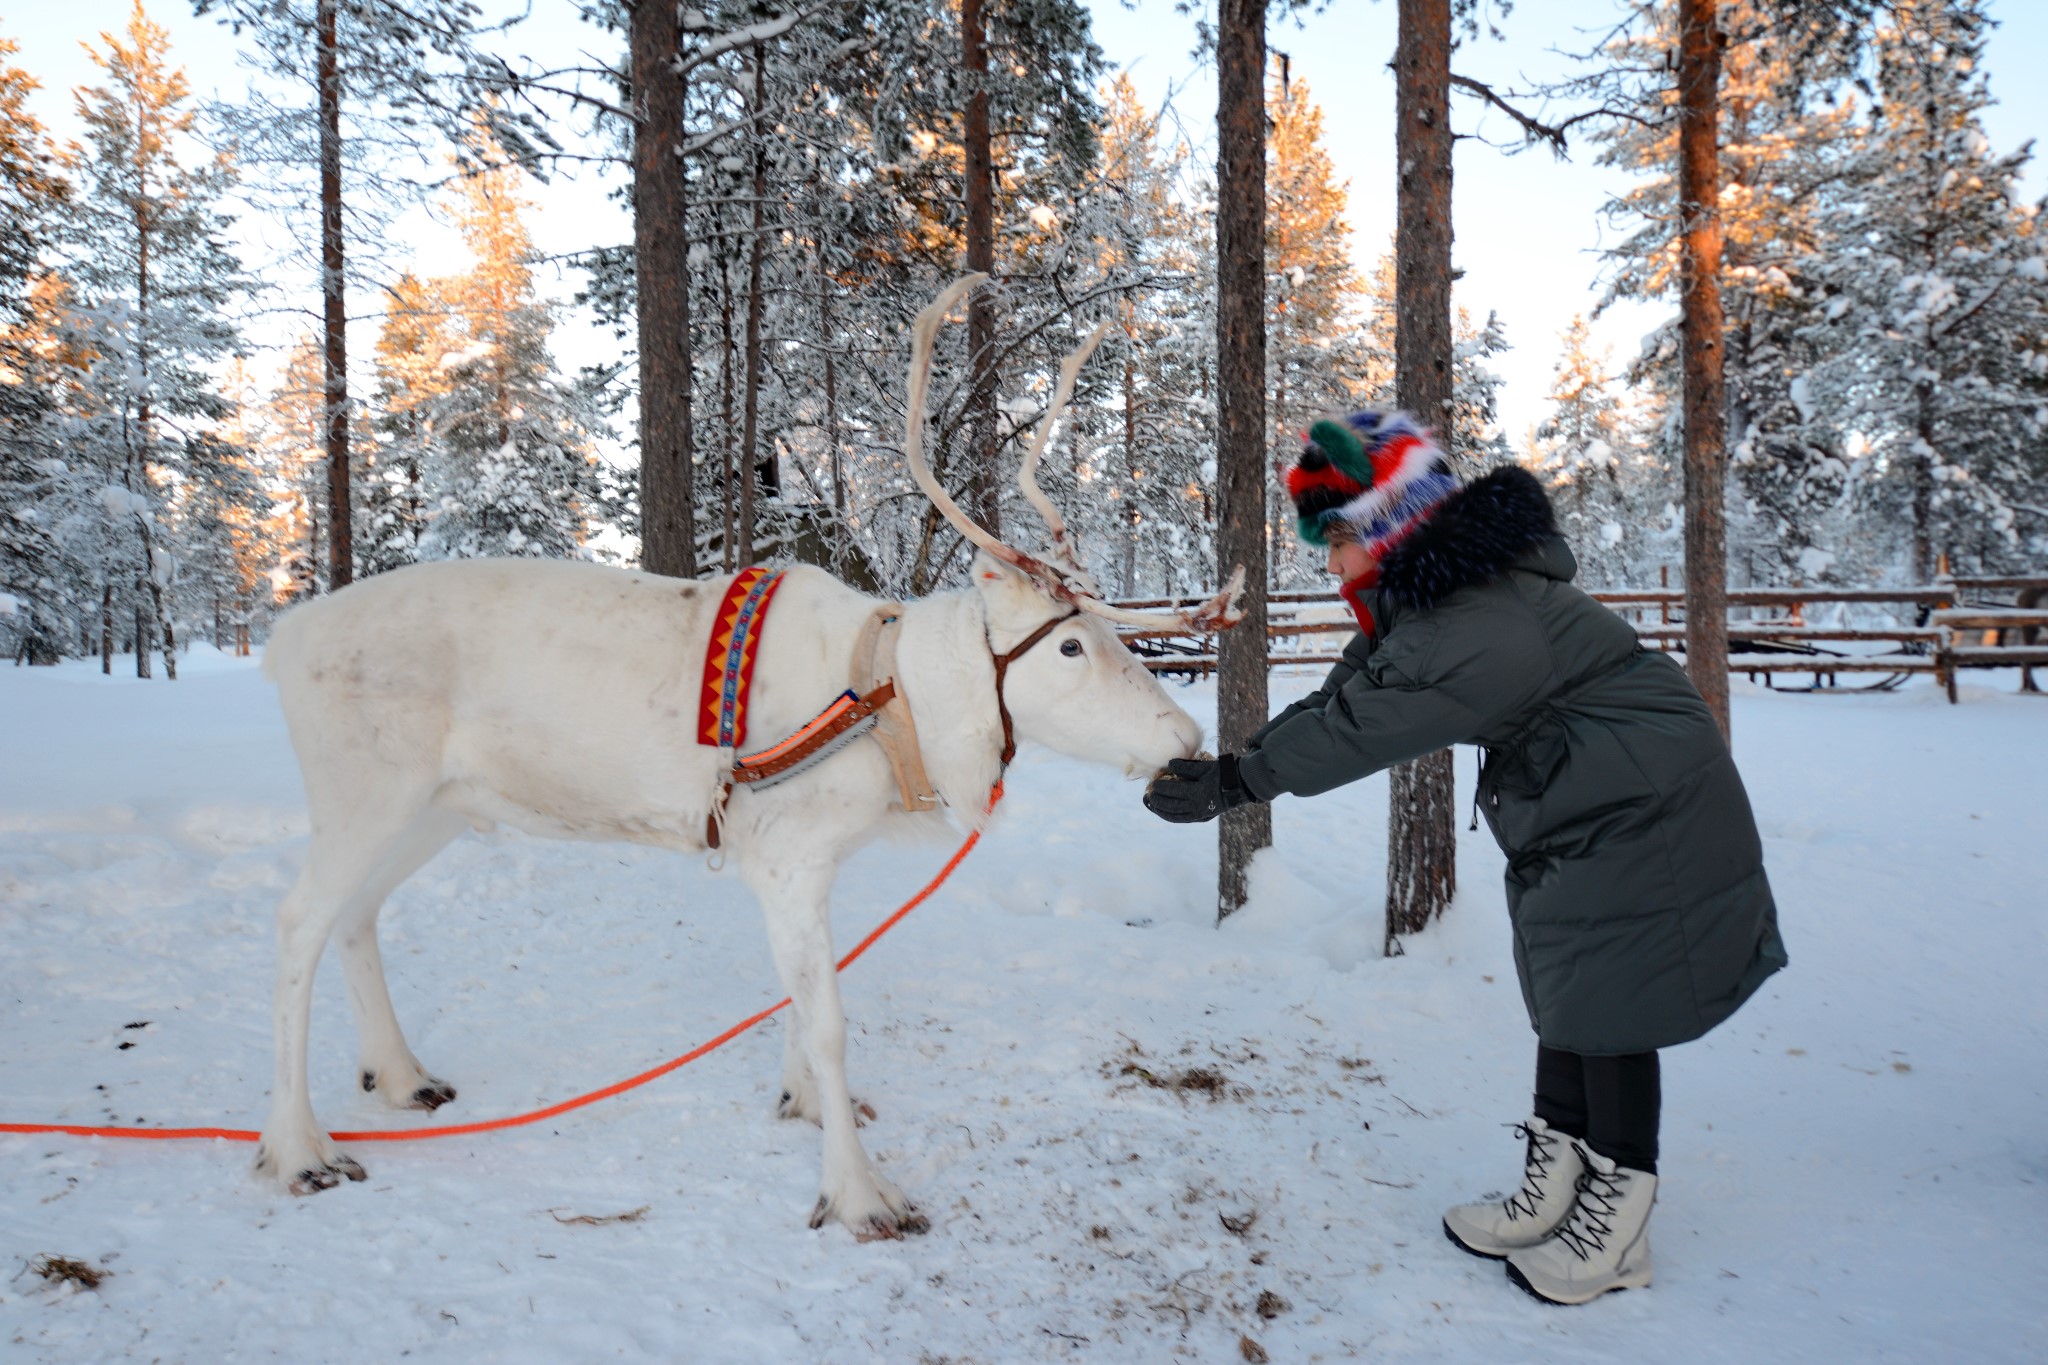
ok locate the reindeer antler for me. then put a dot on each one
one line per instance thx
(1059, 573)
(1064, 551)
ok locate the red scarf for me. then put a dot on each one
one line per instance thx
(1354, 593)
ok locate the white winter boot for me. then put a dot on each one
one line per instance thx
(1550, 1177)
(1604, 1245)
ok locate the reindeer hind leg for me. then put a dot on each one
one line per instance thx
(346, 853)
(387, 1065)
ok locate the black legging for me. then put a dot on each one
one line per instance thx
(1609, 1103)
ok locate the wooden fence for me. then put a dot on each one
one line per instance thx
(1939, 629)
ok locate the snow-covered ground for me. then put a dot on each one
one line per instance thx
(1856, 1166)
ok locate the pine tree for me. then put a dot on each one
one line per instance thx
(1422, 872)
(513, 470)
(1313, 291)
(1318, 358)
(36, 574)
(156, 276)
(1242, 480)
(1158, 460)
(1606, 490)
(1785, 133)
(411, 393)
(403, 69)
(213, 521)
(296, 440)
(1936, 313)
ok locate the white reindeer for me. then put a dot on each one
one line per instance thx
(561, 699)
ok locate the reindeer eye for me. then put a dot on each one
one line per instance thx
(1071, 648)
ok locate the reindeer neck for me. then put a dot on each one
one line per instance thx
(947, 675)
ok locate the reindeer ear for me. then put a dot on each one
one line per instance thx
(1009, 592)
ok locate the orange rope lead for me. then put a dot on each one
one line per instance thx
(519, 1120)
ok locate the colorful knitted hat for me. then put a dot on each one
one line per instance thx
(1368, 476)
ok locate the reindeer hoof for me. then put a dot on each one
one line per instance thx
(789, 1106)
(431, 1096)
(314, 1179)
(891, 1227)
(888, 1225)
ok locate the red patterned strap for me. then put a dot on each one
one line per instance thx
(729, 659)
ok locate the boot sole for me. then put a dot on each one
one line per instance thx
(1461, 1244)
(1522, 1281)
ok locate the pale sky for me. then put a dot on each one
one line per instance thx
(1528, 228)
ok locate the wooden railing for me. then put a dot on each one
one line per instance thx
(1954, 625)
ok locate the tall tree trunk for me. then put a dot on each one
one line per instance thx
(984, 497)
(728, 489)
(828, 339)
(750, 479)
(152, 590)
(166, 631)
(1130, 566)
(142, 642)
(334, 310)
(1422, 827)
(313, 546)
(137, 473)
(661, 263)
(1703, 342)
(1921, 472)
(1240, 415)
(107, 629)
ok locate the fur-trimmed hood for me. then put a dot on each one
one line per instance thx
(1473, 536)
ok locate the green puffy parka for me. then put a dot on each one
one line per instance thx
(1635, 879)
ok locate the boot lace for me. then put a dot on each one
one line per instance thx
(1536, 1171)
(1592, 1220)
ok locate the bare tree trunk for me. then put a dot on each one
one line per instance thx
(1130, 567)
(828, 339)
(169, 631)
(154, 592)
(728, 491)
(749, 470)
(334, 309)
(661, 260)
(1240, 415)
(1703, 343)
(1921, 471)
(1422, 828)
(142, 640)
(107, 629)
(983, 496)
(136, 472)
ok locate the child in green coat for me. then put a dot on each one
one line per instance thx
(1635, 883)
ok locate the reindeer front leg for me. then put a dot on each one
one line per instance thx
(795, 901)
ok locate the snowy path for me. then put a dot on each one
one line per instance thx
(1856, 1165)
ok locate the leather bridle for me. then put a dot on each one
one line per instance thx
(1003, 662)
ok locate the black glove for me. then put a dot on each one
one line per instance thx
(1196, 789)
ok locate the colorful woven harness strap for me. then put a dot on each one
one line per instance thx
(729, 661)
(728, 684)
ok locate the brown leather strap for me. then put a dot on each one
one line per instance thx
(874, 661)
(872, 704)
(743, 774)
(1003, 662)
(853, 715)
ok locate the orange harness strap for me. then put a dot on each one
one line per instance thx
(519, 1120)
